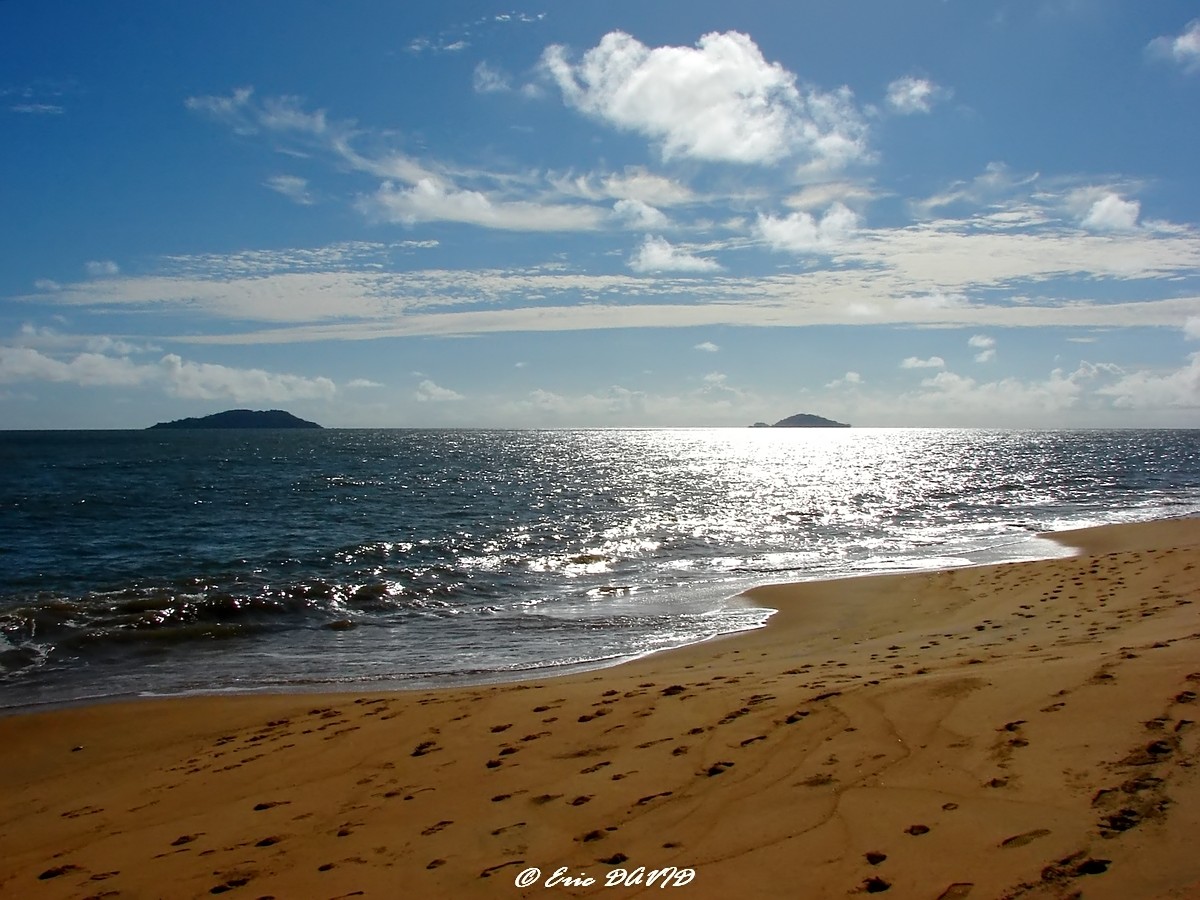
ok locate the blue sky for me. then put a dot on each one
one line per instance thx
(936, 212)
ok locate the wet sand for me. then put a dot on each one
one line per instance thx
(1023, 730)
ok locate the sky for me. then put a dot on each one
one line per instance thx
(670, 213)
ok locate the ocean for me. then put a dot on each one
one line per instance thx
(141, 563)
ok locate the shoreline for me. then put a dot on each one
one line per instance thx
(970, 731)
(460, 681)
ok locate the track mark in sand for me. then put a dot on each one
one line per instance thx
(82, 811)
(434, 829)
(647, 799)
(490, 870)
(270, 804)
(425, 747)
(56, 872)
(917, 830)
(717, 768)
(543, 798)
(504, 828)
(596, 768)
(956, 891)
(876, 885)
(874, 857)
(645, 744)
(185, 839)
(1028, 837)
(230, 883)
(581, 799)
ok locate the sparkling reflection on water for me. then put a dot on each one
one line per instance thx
(166, 561)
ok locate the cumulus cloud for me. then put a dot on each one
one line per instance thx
(1191, 328)
(291, 186)
(913, 362)
(1182, 49)
(1111, 213)
(101, 268)
(1158, 390)
(720, 100)
(176, 376)
(430, 392)
(801, 232)
(910, 95)
(639, 215)
(208, 381)
(658, 255)
(985, 345)
(707, 347)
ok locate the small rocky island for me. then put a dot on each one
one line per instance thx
(802, 420)
(242, 418)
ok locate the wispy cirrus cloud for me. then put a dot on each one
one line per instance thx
(293, 187)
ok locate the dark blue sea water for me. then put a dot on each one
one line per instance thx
(174, 561)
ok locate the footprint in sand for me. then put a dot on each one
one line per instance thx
(1020, 840)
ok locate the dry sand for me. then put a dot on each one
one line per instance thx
(1021, 730)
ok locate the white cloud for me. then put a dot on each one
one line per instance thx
(1111, 213)
(38, 109)
(985, 345)
(910, 95)
(720, 101)
(101, 268)
(1182, 49)
(46, 284)
(362, 383)
(913, 362)
(801, 232)
(489, 80)
(825, 194)
(1154, 390)
(638, 215)
(850, 379)
(1191, 328)
(658, 255)
(636, 183)
(707, 347)
(208, 381)
(430, 200)
(172, 374)
(293, 187)
(996, 182)
(22, 364)
(430, 392)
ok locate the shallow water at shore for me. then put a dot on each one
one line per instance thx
(153, 562)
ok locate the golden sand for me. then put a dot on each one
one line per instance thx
(1021, 730)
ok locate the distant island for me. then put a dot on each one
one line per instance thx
(241, 418)
(802, 420)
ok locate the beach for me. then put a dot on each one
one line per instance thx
(1018, 730)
